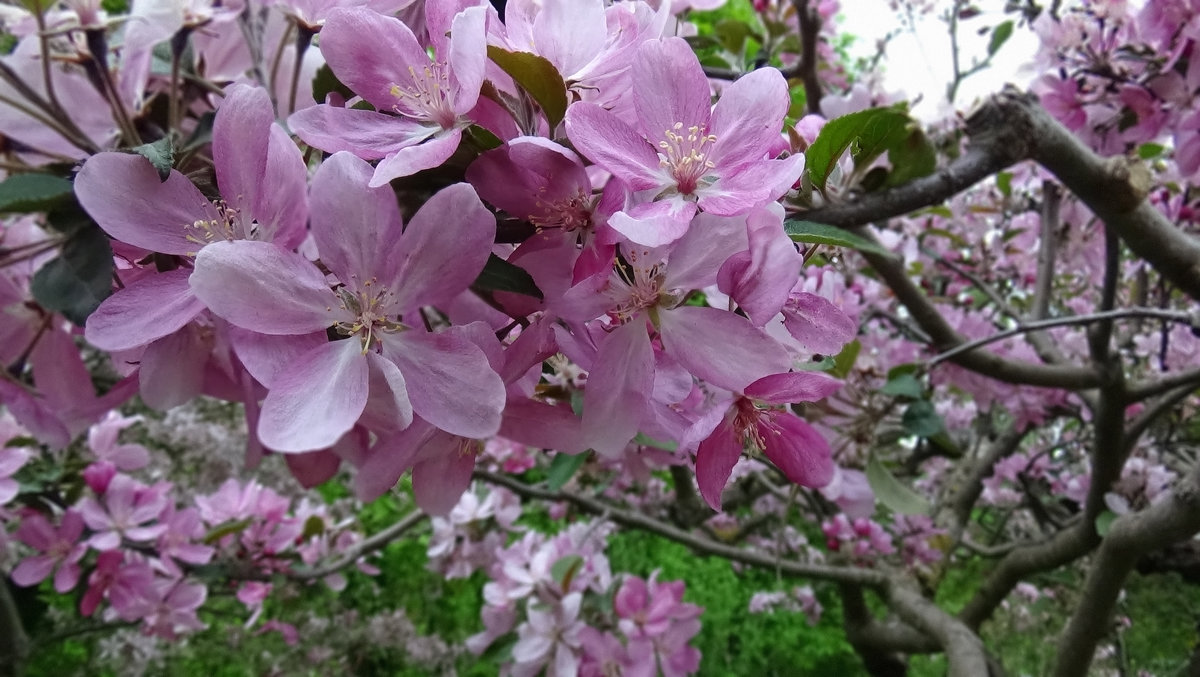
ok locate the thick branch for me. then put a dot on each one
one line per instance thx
(14, 643)
(1130, 536)
(1047, 250)
(810, 28)
(893, 274)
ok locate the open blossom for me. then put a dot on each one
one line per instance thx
(420, 105)
(59, 548)
(385, 370)
(683, 154)
(126, 508)
(753, 420)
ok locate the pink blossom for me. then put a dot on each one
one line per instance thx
(59, 547)
(127, 506)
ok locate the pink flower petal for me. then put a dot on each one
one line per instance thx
(318, 401)
(449, 381)
(145, 310)
(721, 347)
(618, 385)
(715, 459)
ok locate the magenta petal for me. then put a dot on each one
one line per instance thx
(124, 194)
(444, 247)
(264, 288)
(449, 381)
(798, 450)
(388, 459)
(310, 406)
(797, 386)
(761, 279)
(440, 481)
(313, 468)
(669, 87)
(541, 425)
(355, 227)
(144, 311)
(715, 459)
(655, 224)
(365, 133)
(412, 159)
(614, 145)
(618, 386)
(721, 347)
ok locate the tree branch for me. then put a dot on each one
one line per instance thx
(363, 547)
(1047, 249)
(810, 29)
(1129, 536)
(14, 643)
(635, 520)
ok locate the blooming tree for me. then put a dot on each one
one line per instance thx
(608, 263)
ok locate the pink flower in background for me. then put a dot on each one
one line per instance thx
(126, 508)
(60, 549)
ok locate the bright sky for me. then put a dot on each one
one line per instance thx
(918, 60)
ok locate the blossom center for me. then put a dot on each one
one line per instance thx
(228, 225)
(570, 214)
(370, 307)
(684, 153)
(427, 96)
(634, 286)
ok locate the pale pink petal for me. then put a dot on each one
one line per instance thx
(818, 325)
(265, 355)
(541, 425)
(412, 159)
(318, 401)
(449, 381)
(750, 186)
(761, 278)
(264, 288)
(748, 118)
(468, 56)
(354, 226)
(618, 385)
(33, 570)
(698, 255)
(655, 224)
(669, 89)
(388, 409)
(144, 311)
(123, 193)
(365, 133)
(370, 52)
(614, 145)
(240, 138)
(282, 209)
(721, 347)
(444, 247)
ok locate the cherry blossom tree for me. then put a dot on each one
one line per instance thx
(671, 267)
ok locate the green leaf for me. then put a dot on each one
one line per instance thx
(732, 34)
(313, 526)
(500, 275)
(325, 82)
(562, 468)
(922, 420)
(647, 441)
(810, 232)
(1000, 35)
(565, 569)
(866, 134)
(1104, 522)
(890, 492)
(225, 529)
(1004, 183)
(904, 385)
(33, 192)
(1149, 151)
(80, 278)
(161, 154)
(537, 76)
(844, 362)
(911, 158)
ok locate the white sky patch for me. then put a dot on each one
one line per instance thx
(918, 59)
